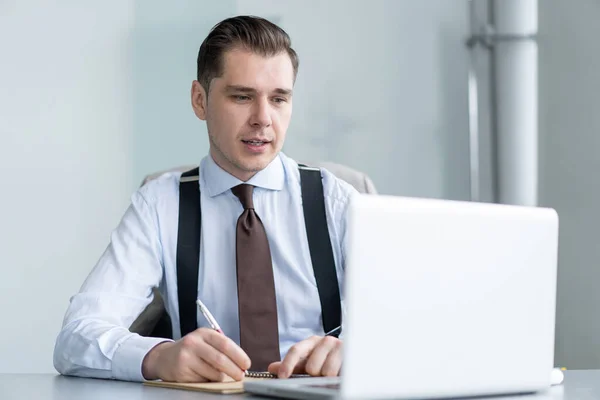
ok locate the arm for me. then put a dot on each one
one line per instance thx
(95, 340)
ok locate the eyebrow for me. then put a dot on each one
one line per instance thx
(246, 89)
(285, 92)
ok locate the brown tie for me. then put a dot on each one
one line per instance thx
(259, 335)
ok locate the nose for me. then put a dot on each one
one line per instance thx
(261, 114)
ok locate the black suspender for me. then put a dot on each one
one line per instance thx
(188, 249)
(319, 242)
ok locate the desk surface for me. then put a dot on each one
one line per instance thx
(579, 385)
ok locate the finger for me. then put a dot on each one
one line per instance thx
(221, 362)
(333, 363)
(275, 366)
(206, 372)
(228, 347)
(296, 355)
(188, 367)
(316, 361)
(196, 343)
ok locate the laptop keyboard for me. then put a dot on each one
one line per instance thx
(335, 386)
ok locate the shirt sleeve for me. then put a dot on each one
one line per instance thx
(95, 340)
(338, 195)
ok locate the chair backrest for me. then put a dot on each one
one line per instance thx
(154, 321)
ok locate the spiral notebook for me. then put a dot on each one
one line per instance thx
(227, 387)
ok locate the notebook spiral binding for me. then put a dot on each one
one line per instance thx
(253, 374)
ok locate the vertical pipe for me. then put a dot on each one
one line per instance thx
(474, 163)
(515, 63)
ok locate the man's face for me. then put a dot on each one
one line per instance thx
(247, 110)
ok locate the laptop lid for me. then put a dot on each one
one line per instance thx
(448, 298)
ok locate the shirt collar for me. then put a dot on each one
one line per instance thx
(218, 181)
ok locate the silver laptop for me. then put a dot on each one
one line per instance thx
(442, 299)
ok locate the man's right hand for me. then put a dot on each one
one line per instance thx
(200, 356)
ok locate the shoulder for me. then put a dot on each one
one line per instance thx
(161, 187)
(335, 189)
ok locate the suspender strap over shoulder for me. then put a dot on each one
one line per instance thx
(319, 243)
(188, 249)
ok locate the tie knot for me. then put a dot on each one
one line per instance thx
(244, 193)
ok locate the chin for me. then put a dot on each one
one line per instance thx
(258, 163)
(255, 167)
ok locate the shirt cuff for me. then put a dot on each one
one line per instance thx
(127, 361)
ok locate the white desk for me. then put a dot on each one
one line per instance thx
(579, 385)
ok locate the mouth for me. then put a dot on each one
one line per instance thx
(256, 145)
(256, 142)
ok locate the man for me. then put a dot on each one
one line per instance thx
(246, 73)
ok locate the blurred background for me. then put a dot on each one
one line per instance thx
(480, 100)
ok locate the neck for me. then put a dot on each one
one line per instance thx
(225, 165)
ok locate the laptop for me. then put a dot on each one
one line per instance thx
(442, 299)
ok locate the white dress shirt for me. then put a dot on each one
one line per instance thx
(95, 340)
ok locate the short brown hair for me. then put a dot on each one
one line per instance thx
(247, 32)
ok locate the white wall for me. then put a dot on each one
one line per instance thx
(569, 166)
(65, 161)
(91, 99)
(165, 42)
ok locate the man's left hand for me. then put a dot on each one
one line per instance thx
(315, 356)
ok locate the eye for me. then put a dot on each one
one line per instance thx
(241, 97)
(279, 100)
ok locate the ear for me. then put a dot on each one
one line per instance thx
(199, 100)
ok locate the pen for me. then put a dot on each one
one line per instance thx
(211, 320)
(335, 332)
